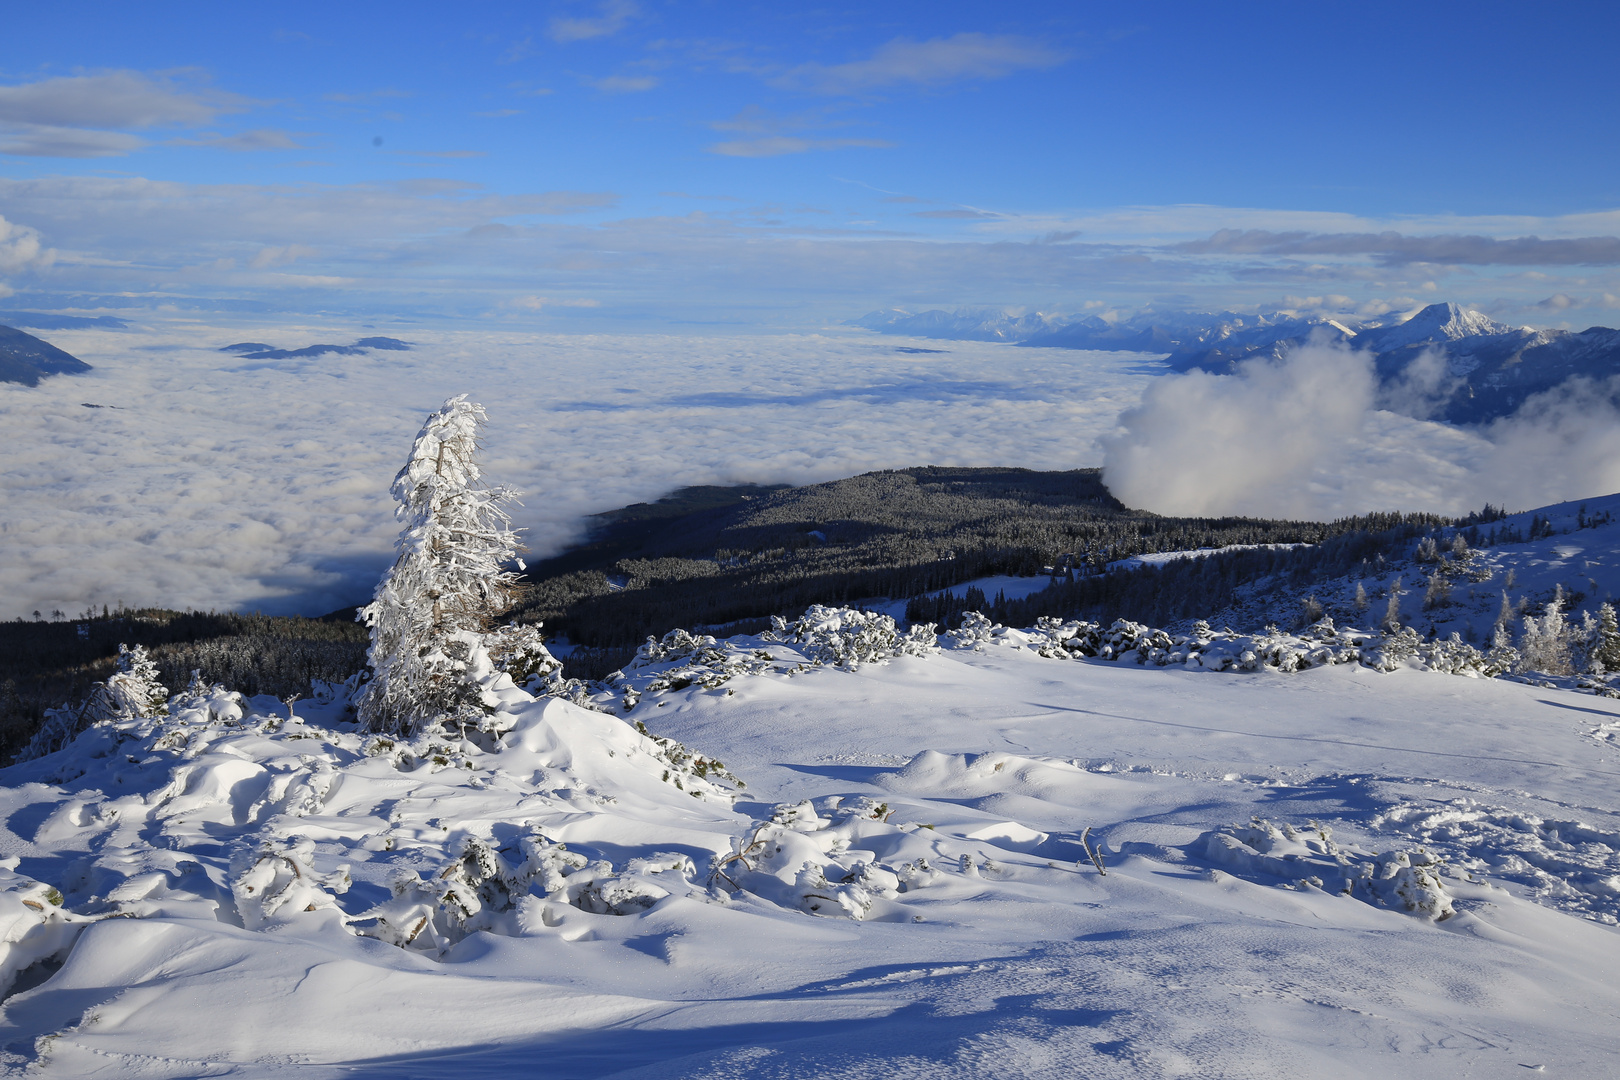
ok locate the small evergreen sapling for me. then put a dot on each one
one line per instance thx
(447, 584)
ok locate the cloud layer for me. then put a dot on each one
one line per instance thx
(218, 482)
(1304, 438)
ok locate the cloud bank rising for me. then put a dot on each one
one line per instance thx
(1303, 437)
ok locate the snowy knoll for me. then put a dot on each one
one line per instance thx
(982, 863)
(26, 359)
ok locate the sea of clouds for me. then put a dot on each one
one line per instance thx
(1310, 437)
(207, 480)
(210, 481)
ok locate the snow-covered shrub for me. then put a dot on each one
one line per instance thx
(34, 926)
(134, 691)
(277, 882)
(483, 888)
(847, 638)
(687, 769)
(685, 659)
(807, 856)
(447, 583)
(1408, 881)
(519, 650)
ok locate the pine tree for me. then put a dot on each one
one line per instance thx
(447, 584)
(1361, 598)
(1438, 594)
(1545, 646)
(1392, 614)
(1606, 649)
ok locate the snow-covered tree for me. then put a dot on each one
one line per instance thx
(1605, 654)
(1438, 594)
(1392, 613)
(1546, 643)
(135, 690)
(447, 584)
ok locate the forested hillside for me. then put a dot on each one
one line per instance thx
(717, 556)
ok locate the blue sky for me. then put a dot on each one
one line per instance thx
(631, 163)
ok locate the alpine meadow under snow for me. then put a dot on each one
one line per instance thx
(843, 848)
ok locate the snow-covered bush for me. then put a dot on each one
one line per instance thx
(33, 924)
(483, 889)
(134, 691)
(808, 856)
(277, 882)
(847, 638)
(1409, 881)
(519, 650)
(448, 582)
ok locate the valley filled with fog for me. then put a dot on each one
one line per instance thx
(178, 475)
(213, 481)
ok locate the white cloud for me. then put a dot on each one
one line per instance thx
(777, 145)
(257, 139)
(539, 303)
(20, 249)
(115, 99)
(67, 143)
(1303, 438)
(281, 256)
(926, 63)
(90, 116)
(625, 84)
(220, 482)
(612, 17)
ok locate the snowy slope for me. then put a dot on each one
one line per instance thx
(1578, 551)
(903, 886)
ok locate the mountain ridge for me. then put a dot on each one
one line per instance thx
(1489, 368)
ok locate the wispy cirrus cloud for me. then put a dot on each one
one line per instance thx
(116, 99)
(777, 145)
(60, 142)
(257, 139)
(771, 135)
(612, 16)
(94, 116)
(934, 62)
(1396, 248)
(625, 84)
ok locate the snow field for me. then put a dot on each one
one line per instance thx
(903, 890)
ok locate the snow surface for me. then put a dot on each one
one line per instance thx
(212, 481)
(1474, 823)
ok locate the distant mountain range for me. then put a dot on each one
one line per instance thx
(26, 359)
(258, 350)
(1472, 368)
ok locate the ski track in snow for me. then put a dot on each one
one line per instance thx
(1205, 950)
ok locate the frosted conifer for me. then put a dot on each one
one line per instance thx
(446, 585)
(1546, 643)
(1392, 614)
(1606, 649)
